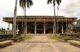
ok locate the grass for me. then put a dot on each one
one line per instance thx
(60, 37)
(67, 37)
(53, 37)
(27, 37)
(23, 37)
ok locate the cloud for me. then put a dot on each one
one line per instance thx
(6, 8)
(67, 8)
(71, 8)
(4, 25)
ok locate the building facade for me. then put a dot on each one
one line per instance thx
(41, 24)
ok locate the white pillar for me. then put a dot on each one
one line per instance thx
(62, 28)
(44, 28)
(57, 27)
(26, 28)
(53, 27)
(35, 28)
(8, 28)
(17, 28)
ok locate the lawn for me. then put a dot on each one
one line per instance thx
(57, 37)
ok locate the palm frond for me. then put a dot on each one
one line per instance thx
(22, 3)
(58, 2)
(29, 3)
(54, 2)
(49, 1)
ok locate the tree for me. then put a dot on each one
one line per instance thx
(54, 4)
(23, 4)
(2, 30)
(14, 20)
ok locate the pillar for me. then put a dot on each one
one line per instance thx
(53, 28)
(35, 29)
(66, 27)
(12, 28)
(17, 28)
(62, 28)
(26, 28)
(44, 28)
(57, 27)
(8, 28)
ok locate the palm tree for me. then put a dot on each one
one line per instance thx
(23, 4)
(14, 20)
(54, 4)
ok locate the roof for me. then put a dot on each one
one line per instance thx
(39, 18)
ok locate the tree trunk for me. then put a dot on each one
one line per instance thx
(24, 21)
(54, 18)
(14, 20)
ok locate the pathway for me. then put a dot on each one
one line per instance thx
(41, 44)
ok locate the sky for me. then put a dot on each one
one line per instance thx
(68, 8)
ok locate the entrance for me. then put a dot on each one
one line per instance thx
(30, 27)
(40, 31)
(40, 28)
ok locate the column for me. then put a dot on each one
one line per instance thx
(8, 28)
(62, 28)
(53, 27)
(44, 28)
(57, 27)
(17, 28)
(26, 28)
(35, 29)
(12, 28)
(66, 27)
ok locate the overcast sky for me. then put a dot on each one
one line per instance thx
(69, 8)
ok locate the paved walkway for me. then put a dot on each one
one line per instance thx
(40, 44)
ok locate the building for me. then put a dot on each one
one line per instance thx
(41, 24)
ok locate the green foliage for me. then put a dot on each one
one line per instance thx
(27, 37)
(23, 37)
(61, 37)
(67, 37)
(23, 3)
(2, 30)
(54, 37)
(18, 37)
(53, 1)
(76, 29)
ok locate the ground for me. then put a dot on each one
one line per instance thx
(41, 44)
